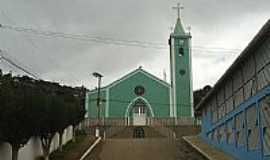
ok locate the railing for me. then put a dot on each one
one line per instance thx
(107, 122)
(181, 121)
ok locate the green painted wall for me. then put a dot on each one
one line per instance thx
(182, 70)
(92, 104)
(122, 94)
(155, 93)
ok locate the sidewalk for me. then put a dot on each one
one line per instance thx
(208, 151)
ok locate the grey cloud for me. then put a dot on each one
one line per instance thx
(146, 20)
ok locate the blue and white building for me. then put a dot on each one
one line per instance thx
(236, 112)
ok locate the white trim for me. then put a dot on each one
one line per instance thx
(128, 76)
(155, 78)
(90, 148)
(107, 103)
(135, 72)
(191, 77)
(171, 107)
(95, 90)
(135, 99)
(86, 105)
(171, 89)
(122, 79)
(174, 79)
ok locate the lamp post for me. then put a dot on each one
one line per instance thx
(99, 76)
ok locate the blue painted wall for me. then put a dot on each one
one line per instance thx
(246, 150)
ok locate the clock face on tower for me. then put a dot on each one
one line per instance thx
(181, 42)
(139, 90)
(182, 72)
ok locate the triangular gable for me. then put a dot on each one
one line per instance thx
(139, 70)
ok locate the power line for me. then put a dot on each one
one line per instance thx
(11, 62)
(84, 38)
(108, 40)
(34, 46)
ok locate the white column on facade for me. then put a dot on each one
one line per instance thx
(107, 103)
(86, 105)
(191, 78)
(173, 77)
(171, 102)
(172, 83)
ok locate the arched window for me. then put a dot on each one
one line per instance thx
(181, 51)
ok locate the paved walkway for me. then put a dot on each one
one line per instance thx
(208, 151)
(135, 149)
(144, 149)
(122, 146)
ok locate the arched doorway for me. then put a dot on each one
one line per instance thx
(138, 112)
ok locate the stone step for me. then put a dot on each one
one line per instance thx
(128, 132)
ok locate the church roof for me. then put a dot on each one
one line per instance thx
(139, 70)
(179, 29)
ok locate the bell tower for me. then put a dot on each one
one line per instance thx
(181, 92)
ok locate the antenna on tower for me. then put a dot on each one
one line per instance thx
(164, 75)
(171, 28)
(189, 28)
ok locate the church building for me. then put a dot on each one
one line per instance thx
(140, 98)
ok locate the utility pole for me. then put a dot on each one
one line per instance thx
(99, 76)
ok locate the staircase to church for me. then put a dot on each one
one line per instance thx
(155, 144)
(138, 132)
(149, 131)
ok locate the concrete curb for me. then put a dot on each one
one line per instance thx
(197, 148)
(90, 148)
(206, 150)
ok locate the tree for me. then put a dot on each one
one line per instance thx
(77, 109)
(15, 116)
(62, 119)
(36, 108)
(199, 95)
(52, 115)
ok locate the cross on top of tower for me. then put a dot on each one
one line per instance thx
(179, 7)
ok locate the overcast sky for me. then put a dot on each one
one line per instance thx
(215, 24)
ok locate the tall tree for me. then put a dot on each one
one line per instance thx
(15, 116)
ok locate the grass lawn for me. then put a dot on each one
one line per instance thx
(74, 150)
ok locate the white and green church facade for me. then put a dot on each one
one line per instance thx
(140, 98)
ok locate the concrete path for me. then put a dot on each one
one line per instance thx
(135, 149)
(144, 149)
(122, 146)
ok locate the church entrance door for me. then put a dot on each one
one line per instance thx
(139, 114)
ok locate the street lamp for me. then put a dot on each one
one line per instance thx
(99, 76)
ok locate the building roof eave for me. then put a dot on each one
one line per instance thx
(129, 75)
(260, 37)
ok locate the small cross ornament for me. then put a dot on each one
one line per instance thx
(179, 7)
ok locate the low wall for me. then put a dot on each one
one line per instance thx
(33, 148)
(182, 121)
(150, 121)
(108, 121)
